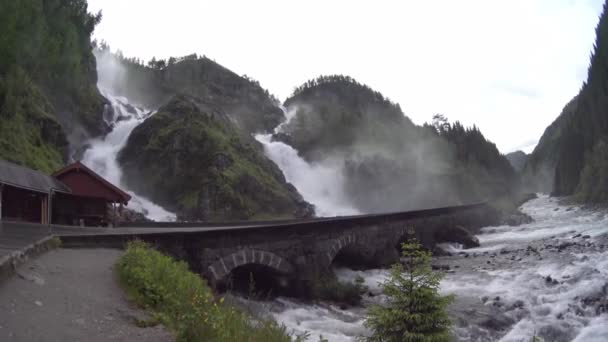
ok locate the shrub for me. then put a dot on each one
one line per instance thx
(329, 288)
(183, 302)
(415, 311)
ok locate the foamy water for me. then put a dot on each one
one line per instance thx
(552, 309)
(102, 155)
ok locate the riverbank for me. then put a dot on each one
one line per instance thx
(71, 295)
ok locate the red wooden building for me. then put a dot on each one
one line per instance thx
(90, 198)
(74, 195)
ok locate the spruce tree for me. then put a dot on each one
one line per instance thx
(415, 311)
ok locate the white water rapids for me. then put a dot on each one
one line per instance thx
(102, 153)
(502, 289)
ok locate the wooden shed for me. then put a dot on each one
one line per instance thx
(26, 195)
(74, 195)
(91, 196)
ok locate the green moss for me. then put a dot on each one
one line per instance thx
(29, 134)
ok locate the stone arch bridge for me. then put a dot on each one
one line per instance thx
(297, 250)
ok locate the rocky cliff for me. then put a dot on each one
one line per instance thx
(190, 158)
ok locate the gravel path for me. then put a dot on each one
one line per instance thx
(70, 295)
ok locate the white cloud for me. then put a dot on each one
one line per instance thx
(507, 66)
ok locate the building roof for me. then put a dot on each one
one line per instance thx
(79, 167)
(25, 178)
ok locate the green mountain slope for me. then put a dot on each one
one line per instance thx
(390, 163)
(48, 93)
(251, 107)
(190, 158)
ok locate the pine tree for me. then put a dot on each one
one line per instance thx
(415, 311)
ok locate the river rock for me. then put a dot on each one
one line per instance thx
(516, 219)
(457, 234)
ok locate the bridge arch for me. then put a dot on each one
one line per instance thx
(338, 244)
(351, 250)
(220, 269)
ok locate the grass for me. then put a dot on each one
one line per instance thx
(182, 301)
(55, 242)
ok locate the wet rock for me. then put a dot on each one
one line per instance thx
(551, 281)
(556, 333)
(518, 304)
(532, 250)
(565, 245)
(441, 267)
(457, 234)
(497, 322)
(517, 219)
(438, 251)
(586, 236)
(122, 118)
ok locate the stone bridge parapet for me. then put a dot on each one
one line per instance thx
(300, 250)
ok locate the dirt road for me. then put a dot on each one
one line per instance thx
(70, 295)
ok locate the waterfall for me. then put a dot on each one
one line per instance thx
(102, 154)
(321, 184)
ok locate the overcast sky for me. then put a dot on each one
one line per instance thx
(507, 66)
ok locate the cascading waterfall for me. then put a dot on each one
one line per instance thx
(102, 153)
(320, 184)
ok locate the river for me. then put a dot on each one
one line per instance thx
(548, 278)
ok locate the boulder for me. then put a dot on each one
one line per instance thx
(456, 234)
